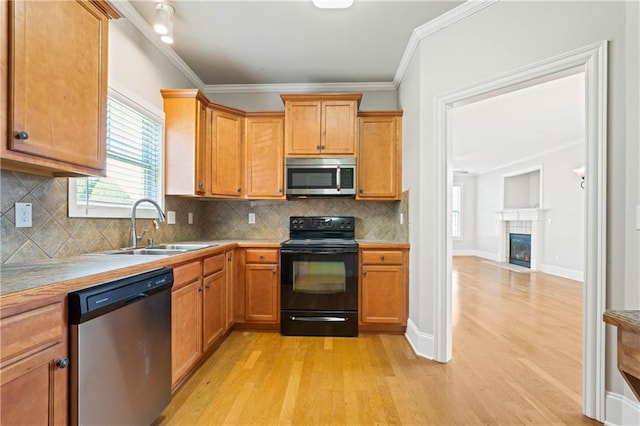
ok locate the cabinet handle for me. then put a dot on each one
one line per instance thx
(62, 363)
(274, 270)
(207, 286)
(200, 184)
(318, 147)
(239, 189)
(382, 257)
(229, 258)
(279, 190)
(364, 273)
(200, 289)
(261, 257)
(23, 136)
(323, 146)
(361, 190)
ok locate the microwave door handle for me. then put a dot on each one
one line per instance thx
(338, 179)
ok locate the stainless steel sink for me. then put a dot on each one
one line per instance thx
(178, 246)
(162, 249)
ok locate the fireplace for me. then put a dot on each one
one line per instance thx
(520, 249)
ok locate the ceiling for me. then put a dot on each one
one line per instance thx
(521, 124)
(291, 41)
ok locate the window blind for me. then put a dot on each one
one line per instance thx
(133, 160)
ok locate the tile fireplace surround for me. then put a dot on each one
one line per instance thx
(523, 221)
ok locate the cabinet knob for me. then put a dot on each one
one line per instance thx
(23, 136)
(279, 190)
(207, 286)
(239, 189)
(229, 258)
(364, 273)
(382, 257)
(200, 289)
(318, 147)
(62, 363)
(361, 190)
(274, 270)
(200, 184)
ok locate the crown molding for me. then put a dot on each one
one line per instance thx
(299, 87)
(456, 14)
(129, 12)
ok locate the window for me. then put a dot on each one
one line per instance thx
(456, 214)
(134, 136)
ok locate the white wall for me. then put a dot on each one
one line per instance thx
(500, 38)
(563, 198)
(138, 66)
(468, 241)
(271, 101)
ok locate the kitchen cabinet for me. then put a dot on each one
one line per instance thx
(186, 319)
(383, 290)
(264, 147)
(229, 286)
(226, 152)
(34, 377)
(379, 156)
(214, 304)
(262, 286)
(187, 142)
(317, 124)
(55, 68)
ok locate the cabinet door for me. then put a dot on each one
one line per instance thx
(383, 294)
(265, 157)
(214, 316)
(203, 129)
(262, 293)
(34, 390)
(379, 158)
(229, 284)
(338, 134)
(302, 128)
(58, 81)
(186, 329)
(226, 154)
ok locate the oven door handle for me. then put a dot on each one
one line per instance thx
(318, 319)
(307, 251)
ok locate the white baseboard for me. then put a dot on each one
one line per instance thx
(571, 274)
(478, 253)
(620, 410)
(423, 344)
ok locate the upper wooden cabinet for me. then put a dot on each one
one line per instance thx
(54, 65)
(264, 148)
(320, 124)
(226, 152)
(187, 132)
(203, 146)
(379, 155)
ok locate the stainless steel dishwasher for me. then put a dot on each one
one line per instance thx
(120, 337)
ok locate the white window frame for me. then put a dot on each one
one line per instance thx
(460, 212)
(145, 210)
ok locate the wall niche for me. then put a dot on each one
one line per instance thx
(522, 189)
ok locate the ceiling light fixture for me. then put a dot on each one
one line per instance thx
(168, 37)
(163, 24)
(332, 4)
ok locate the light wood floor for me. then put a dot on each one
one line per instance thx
(516, 359)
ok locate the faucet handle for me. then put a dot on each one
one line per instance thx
(139, 237)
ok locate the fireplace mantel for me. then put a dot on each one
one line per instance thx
(521, 214)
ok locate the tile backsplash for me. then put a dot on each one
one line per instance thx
(54, 234)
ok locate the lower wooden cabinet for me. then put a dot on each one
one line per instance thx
(214, 303)
(261, 287)
(383, 290)
(229, 286)
(34, 377)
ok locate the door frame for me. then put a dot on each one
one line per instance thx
(592, 60)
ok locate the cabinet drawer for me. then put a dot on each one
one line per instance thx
(185, 274)
(262, 256)
(31, 330)
(213, 264)
(382, 257)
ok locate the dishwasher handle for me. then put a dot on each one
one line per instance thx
(98, 300)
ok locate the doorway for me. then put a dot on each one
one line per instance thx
(592, 60)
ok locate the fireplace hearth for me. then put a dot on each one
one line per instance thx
(520, 249)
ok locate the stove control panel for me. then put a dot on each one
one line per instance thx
(321, 223)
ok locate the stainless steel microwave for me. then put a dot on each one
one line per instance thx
(320, 176)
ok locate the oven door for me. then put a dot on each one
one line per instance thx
(317, 279)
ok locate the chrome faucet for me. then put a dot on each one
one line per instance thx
(161, 216)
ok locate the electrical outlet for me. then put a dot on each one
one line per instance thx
(190, 218)
(23, 215)
(252, 218)
(171, 218)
